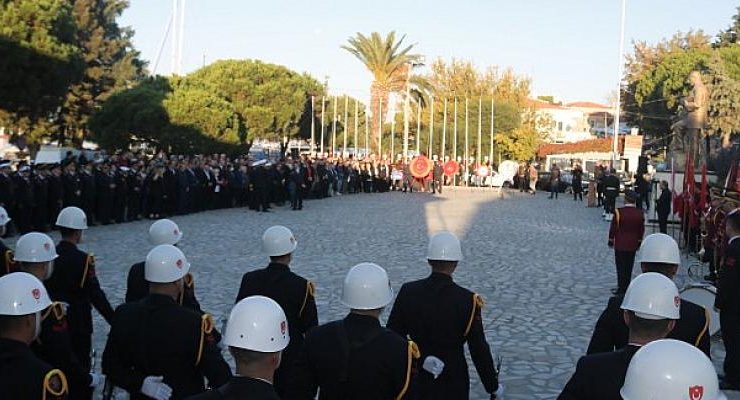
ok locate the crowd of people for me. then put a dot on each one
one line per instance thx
(126, 187)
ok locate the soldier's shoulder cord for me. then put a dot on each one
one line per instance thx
(55, 385)
(478, 303)
(413, 353)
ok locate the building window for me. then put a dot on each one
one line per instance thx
(560, 126)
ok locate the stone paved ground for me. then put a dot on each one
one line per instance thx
(543, 266)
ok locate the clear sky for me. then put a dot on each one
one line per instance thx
(568, 47)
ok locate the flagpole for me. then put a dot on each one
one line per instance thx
(323, 103)
(431, 126)
(478, 156)
(618, 106)
(334, 128)
(345, 125)
(490, 153)
(418, 126)
(393, 140)
(444, 131)
(367, 132)
(356, 143)
(380, 129)
(467, 154)
(313, 127)
(454, 143)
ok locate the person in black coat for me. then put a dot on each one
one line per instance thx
(438, 175)
(7, 187)
(155, 193)
(89, 193)
(135, 189)
(72, 184)
(441, 317)
(75, 282)
(183, 189)
(105, 190)
(25, 201)
(728, 303)
(577, 182)
(120, 192)
(296, 186)
(611, 333)
(170, 189)
(649, 311)
(294, 293)
(663, 206)
(56, 193)
(40, 209)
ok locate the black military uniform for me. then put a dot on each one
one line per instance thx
(240, 387)
(356, 358)
(7, 265)
(54, 346)
(105, 188)
(89, 195)
(611, 333)
(75, 283)
(23, 376)
(728, 303)
(611, 192)
(72, 183)
(296, 297)
(24, 202)
(441, 317)
(437, 174)
(158, 337)
(599, 376)
(56, 195)
(41, 198)
(137, 288)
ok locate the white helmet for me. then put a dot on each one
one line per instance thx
(653, 296)
(35, 247)
(164, 231)
(165, 263)
(444, 246)
(660, 248)
(670, 369)
(4, 217)
(257, 323)
(72, 218)
(366, 287)
(278, 241)
(22, 294)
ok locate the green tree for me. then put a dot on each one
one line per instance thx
(391, 64)
(38, 62)
(268, 99)
(111, 62)
(724, 93)
(730, 36)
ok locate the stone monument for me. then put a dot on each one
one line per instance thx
(689, 130)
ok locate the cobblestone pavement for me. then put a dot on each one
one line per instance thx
(542, 265)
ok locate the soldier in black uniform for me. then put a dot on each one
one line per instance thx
(356, 358)
(156, 348)
(25, 201)
(294, 294)
(35, 255)
(658, 253)
(22, 375)
(41, 198)
(7, 187)
(56, 193)
(104, 190)
(261, 182)
(162, 231)
(72, 183)
(120, 180)
(728, 303)
(650, 310)
(74, 282)
(89, 192)
(135, 186)
(6, 254)
(437, 175)
(256, 333)
(611, 192)
(441, 317)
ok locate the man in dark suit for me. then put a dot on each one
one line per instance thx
(663, 206)
(625, 236)
(611, 192)
(650, 310)
(658, 253)
(728, 303)
(183, 189)
(437, 174)
(296, 186)
(441, 317)
(89, 192)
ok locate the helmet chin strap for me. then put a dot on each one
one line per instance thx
(37, 325)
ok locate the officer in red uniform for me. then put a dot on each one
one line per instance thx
(625, 236)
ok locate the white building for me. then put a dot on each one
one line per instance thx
(576, 121)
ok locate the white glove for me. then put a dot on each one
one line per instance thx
(96, 379)
(433, 365)
(155, 388)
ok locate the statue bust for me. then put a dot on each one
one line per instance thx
(697, 103)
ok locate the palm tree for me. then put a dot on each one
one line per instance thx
(390, 64)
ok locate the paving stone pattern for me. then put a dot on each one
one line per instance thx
(542, 265)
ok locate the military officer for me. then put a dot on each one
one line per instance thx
(294, 293)
(658, 253)
(74, 282)
(356, 358)
(611, 192)
(670, 369)
(625, 235)
(6, 254)
(256, 333)
(650, 310)
(163, 231)
(728, 302)
(35, 255)
(23, 299)
(156, 348)
(441, 317)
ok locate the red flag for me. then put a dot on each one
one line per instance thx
(704, 194)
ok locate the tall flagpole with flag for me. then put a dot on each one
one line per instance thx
(323, 110)
(313, 127)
